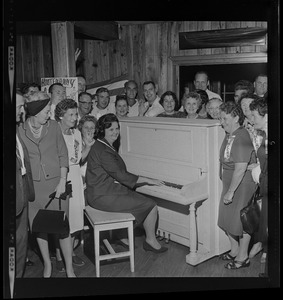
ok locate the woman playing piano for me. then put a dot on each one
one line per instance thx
(110, 187)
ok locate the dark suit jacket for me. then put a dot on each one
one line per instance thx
(24, 184)
(106, 173)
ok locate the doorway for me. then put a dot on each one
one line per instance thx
(222, 77)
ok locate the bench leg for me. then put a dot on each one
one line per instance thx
(96, 247)
(131, 246)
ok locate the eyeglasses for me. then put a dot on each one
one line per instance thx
(84, 103)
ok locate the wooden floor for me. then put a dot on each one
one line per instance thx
(147, 264)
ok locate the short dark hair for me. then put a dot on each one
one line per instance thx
(260, 105)
(244, 85)
(130, 81)
(103, 123)
(169, 93)
(149, 82)
(26, 87)
(102, 90)
(63, 106)
(202, 72)
(84, 93)
(234, 109)
(52, 85)
(121, 97)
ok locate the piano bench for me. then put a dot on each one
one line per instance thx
(102, 221)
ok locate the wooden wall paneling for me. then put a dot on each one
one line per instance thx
(47, 56)
(218, 25)
(19, 61)
(63, 49)
(170, 78)
(204, 25)
(261, 48)
(123, 57)
(175, 28)
(93, 61)
(27, 58)
(126, 37)
(233, 25)
(152, 68)
(163, 56)
(250, 48)
(79, 44)
(38, 64)
(103, 66)
(112, 59)
(188, 26)
(138, 56)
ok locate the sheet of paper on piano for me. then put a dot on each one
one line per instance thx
(185, 153)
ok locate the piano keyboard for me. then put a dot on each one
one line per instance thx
(173, 185)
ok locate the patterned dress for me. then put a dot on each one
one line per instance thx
(76, 202)
(236, 148)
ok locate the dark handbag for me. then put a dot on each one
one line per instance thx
(53, 221)
(250, 214)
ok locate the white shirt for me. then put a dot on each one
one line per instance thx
(211, 95)
(21, 151)
(134, 110)
(100, 112)
(155, 109)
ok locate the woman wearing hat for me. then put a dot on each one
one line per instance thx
(49, 163)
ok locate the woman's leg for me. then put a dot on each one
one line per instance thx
(149, 227)
(42, 241)
(67, 249)
(244, 245)
(234, 245)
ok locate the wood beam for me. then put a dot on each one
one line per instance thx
(62, 35)
(103, 30)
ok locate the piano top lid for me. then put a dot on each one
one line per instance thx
(172, 121)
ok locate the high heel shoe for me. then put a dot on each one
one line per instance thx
(236, 264)
(253, 254)
(50, 273)
(148, 247)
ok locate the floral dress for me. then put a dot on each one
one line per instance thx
(76, 201)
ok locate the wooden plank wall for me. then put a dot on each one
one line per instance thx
(143, 53)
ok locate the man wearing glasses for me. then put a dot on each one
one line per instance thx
(85, 104)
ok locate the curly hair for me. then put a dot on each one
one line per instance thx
(104, 122)
(62, 107)
(233, 109)
(174, 96)
(86, 118)
(194, 95)
(260, 105)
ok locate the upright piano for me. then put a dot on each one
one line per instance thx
(185, 155)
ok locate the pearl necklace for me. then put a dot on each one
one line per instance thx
(35, 132)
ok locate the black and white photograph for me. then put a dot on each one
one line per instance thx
(146, 162)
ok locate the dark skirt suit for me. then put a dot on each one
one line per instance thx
(263, 223)
(240, 150)
(109, 186)
(47, 155)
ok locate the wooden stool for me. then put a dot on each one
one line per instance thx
(101, 221)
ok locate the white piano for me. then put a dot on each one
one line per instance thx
(185, 154)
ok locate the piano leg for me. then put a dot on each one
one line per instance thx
(196, 255)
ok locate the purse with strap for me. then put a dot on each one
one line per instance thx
(52, 221)
(250, 215)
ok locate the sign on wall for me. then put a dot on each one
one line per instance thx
(70, 83)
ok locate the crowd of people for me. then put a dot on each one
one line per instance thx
(62, 140)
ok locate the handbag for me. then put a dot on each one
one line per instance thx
(53, 221)
(250, 214)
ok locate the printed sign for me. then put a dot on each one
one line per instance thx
(70, 83)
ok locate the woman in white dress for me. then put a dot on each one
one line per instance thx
(66, 114)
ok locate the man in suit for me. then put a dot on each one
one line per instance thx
(24, 192)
